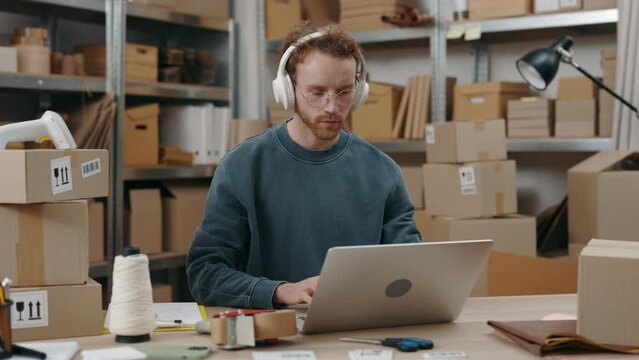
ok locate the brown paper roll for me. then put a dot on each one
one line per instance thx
(32, 32)
(275, 325)
(270, 325)
(34, 59)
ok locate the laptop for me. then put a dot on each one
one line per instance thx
(364, 287)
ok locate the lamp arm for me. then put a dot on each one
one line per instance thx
(603, 86)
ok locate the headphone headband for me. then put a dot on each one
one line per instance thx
(283, 89)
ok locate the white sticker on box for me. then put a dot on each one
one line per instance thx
(467, 180)
(430, 134)
(567, 3)
(477, 99)
(30, 309)
(448, 355)
(282, 355)
(370, 355)
(91, 168)
(61, 177)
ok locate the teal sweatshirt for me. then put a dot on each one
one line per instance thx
(274, 208)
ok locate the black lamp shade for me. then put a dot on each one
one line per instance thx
(539, 67)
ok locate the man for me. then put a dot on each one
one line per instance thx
(281, 199)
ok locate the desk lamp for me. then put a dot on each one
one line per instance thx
(539, 67)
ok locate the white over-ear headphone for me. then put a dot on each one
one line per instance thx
(284, 90)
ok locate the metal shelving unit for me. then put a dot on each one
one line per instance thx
(512, 145)
(51, 83)
(178, 91)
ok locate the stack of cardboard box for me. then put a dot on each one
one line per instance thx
(576, 108)
(365, 15)
(531, 117)
(470, 192)
(45, 250)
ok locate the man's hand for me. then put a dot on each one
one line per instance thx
(297, 293)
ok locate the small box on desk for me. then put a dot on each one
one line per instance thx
(53, 312)
(478, 189)
(485, 101)
(374, 119)
(607, 297)
(467, 141)
(142, 135)
(33, 176)
(143, 220)
(45, 244)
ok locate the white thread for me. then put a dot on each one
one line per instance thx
(131, 309)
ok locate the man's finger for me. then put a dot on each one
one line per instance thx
(307, 298)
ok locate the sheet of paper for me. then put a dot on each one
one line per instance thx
(455, 31)
(473, 32)
(117, 353)
(62, 350)
(284, 355)
(559, 316)
(166, 314)
(370, 354)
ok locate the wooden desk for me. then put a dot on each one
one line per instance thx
(469, 333)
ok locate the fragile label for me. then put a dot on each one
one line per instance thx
(430, 134)
(90, 168)
(30, 309)
(467, 180)
(61, 177)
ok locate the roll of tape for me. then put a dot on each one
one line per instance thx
(270, 325)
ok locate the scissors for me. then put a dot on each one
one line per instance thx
(406, 344)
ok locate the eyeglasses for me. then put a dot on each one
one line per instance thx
(319, 99)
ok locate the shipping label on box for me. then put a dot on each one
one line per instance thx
(473, 189)
(52, 312)
(45, 244)
(460, 142)
(33, 176)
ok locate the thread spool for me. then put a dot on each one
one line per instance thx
(131, 316)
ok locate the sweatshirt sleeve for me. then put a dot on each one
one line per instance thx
(219, 253)
(399, 225)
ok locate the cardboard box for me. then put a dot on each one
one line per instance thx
(53, 175)
(606, 113)
(374, 119)
(96, 231)
(607, 298)
(599, 4)
(242, 129)
(8, 59)
(603, 197)
(162, 293)
(577, 88)
(413, 177)
(141, 135)
(529, 132)
(34, 59)
(513, 274)
(485, 101)
(609, 65)
(547, 6)
(143, 220)
(45, 244)
(470, 190)
(512, 234)
(64, 311)
(182, 212)
(321, 12)
(482, 9)
(575, 118)
(530, 108)
(280, 16)
(208, 8)
(466, 141)
(141, 63)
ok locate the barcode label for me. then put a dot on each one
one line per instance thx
(91, 168)
(467, 180)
